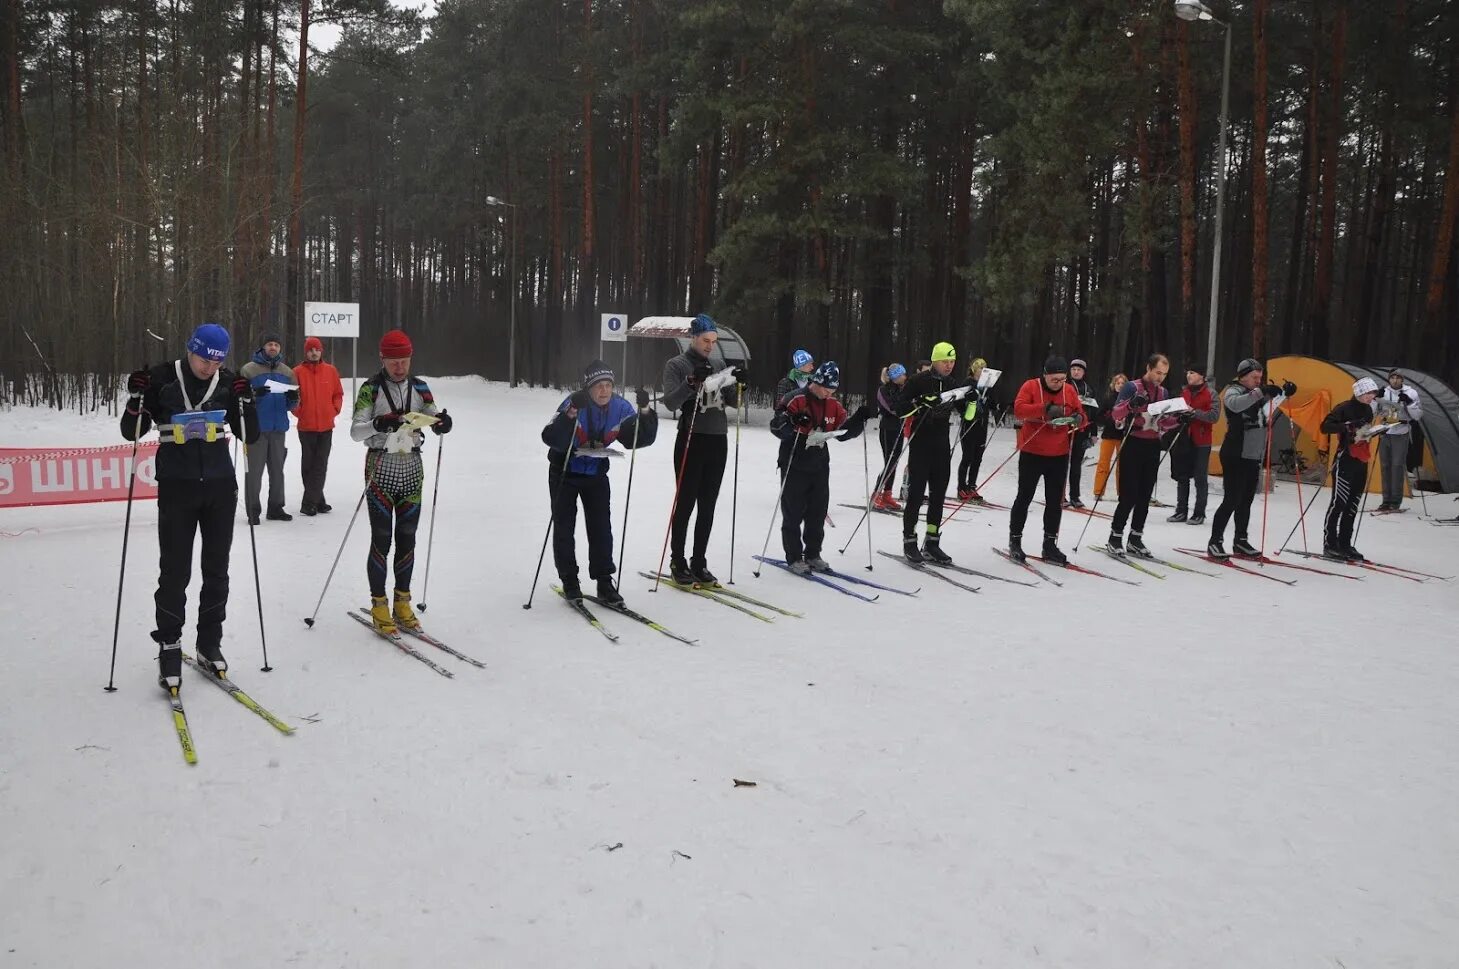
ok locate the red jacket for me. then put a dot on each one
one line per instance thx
(320, 396)
(1036, 435)
(1201, 401)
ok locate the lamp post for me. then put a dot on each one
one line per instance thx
(1195, 10)
(512, 340)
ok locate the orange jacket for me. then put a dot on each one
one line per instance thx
(321, 396)
(1036, 435)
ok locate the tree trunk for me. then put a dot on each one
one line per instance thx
(1260, 260)
(292, 255)
(1188, 125)
(1322, 283)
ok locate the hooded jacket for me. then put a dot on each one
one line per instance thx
(321, 395)
(273, 408)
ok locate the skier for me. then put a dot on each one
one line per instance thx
(889, 429)
(1352, 422)
(1140, 453)
(268, 367)
(929, 399)
(1109, 435)
(806, 419)
(321, 398)
(394, 472)
(589, 420)
(1190, 452)
(700, 391)
(974, 437)
(802, 365)
(197, 487)
(1052, 417)
(1399, 407)
(1082, 439)
(1250, 406)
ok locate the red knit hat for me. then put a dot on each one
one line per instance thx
(313, 343)
(395, 345)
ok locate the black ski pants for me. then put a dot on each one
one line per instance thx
(929, 465)
(1349, 480)
(974, 442)
(890, 431)
(1139, 466)
(1076, 464)
(698, 490)
(803, 504)
(314, 447)
(184, 509)
(594, 491)
(1241, 478)
(1033, 468)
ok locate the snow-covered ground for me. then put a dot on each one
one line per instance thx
(1199, 772)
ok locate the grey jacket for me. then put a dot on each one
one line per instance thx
(1237, 401)
(680, 396)
(1403, 405)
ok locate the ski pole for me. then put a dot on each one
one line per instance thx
(126, 535)
(735, 488)
(866, 478)
(627, 500)
(551, 515)
(881, 483)
(1297, 474)
(1266, 492)
(1363, 506)
(431, 532)
(369, 483)
(978, 488)
(1302, 515)
(674, 505)
(257, 586)
(789, 463)
(1113, 470)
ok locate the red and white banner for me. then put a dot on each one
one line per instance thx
(63, 476)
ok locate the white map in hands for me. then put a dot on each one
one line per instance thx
(1170, 405)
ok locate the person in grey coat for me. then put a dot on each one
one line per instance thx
(700, 391)
(1398, 407)
(1250, 405)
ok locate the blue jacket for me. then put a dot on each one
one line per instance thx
(273, 408)
(596, 426)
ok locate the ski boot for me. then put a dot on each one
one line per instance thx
(1052, 555)
(210, 660)
(608, 593)
(977, 499)
(1076, 504)
(800, 567)
(910, 551)
(886, 502)
(1116, 543)
(1196, 520)
(1245, 549)
(1216, 550)
(308, 510)
(405, 616)
(1179, 516)
(965, 494)
(1333, 553)
(279, 515)
(325, 508)
(1353, 555)
(679, 571)
(1015, 549)
(572, 590)
(704, 578)
(932, 549)
(380, 616)
(817, 564)
(1136, 546)
(169, 666)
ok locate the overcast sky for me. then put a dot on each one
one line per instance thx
(325, 36)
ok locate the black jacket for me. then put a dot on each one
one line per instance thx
(930, 418)
(1344, 420)
(1108, 430)
(191, 460)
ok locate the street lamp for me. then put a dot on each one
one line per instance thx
(1195, 10)
(512, 341)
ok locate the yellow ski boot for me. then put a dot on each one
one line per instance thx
(380, 616)
(404, 615)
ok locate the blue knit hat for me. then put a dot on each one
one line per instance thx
(800, 358)
(827, 375)
(209, 341)
(703, 323)
(895, 371)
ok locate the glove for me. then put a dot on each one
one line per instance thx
(442, 424)
(1271, 390)
(580, 400)
(388, 423)
(642, 398)
(802, 420)
(1053, 411)
(292, 398)
(1289, 389)
(701, 373)
(864, 413)
(243, 391)
(138, 381)
(1185, 416)
(1140, 401)
(742, 374)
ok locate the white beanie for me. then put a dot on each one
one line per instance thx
(1366, 385)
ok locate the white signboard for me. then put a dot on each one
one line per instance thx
(332, 319)
(615, 328)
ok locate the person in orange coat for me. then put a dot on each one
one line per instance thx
(321, 397)
(1052, 415)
